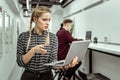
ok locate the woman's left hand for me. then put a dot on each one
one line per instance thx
(72, 64)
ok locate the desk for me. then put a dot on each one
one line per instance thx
(109, 49)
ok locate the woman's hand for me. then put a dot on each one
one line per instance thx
(72, 64)
(39, 49)
(58, 67)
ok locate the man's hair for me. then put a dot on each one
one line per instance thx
(67, 21)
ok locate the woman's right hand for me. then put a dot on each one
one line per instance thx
(39, 49)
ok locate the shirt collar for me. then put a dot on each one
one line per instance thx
(33, 32)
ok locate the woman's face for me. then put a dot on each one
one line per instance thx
(42, 23)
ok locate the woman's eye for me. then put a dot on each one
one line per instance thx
(44, 19)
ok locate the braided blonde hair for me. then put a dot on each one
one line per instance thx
(37, 12)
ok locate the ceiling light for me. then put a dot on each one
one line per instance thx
(27, 4)
(60, 1)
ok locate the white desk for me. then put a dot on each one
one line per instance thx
(109, 49)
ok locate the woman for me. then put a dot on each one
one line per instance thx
(37, 47)
(65, 38)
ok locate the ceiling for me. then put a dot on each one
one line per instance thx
(28, 5)
(48, 3)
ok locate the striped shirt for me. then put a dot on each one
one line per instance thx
(36, 64)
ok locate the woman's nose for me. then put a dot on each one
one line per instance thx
(48, 22)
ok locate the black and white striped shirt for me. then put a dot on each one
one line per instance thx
(36, 64)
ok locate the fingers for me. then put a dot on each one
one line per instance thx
(57, 67)
(73, 63)
(75, 60)
(43, 51)
(40, 49)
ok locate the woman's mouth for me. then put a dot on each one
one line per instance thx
(46, 27)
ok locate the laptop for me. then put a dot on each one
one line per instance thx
(77, 48)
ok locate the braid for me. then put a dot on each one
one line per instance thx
(47, 42)
(29, 39)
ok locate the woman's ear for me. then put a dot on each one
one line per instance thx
(35, 19)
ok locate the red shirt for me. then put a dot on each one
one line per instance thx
(64, 40)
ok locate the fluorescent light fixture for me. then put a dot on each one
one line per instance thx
(26, 13)
(60, 1)
(27, 4)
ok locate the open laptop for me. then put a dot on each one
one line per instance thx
(77, 48)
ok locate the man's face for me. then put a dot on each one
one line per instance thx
(69, 25)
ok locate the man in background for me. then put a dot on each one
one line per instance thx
(64, 40)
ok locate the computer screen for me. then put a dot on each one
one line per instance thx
(88, 35)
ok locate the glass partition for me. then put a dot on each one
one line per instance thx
(1, 29)
(7, 31)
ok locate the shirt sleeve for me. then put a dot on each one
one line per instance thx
(70, 38)
(20, 51)
(54, 49)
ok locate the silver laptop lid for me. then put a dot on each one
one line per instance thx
(77, 48)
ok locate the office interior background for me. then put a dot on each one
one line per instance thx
(101, 17)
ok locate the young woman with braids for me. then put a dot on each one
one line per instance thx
(37, 47)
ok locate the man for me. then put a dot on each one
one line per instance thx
(64, 40)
